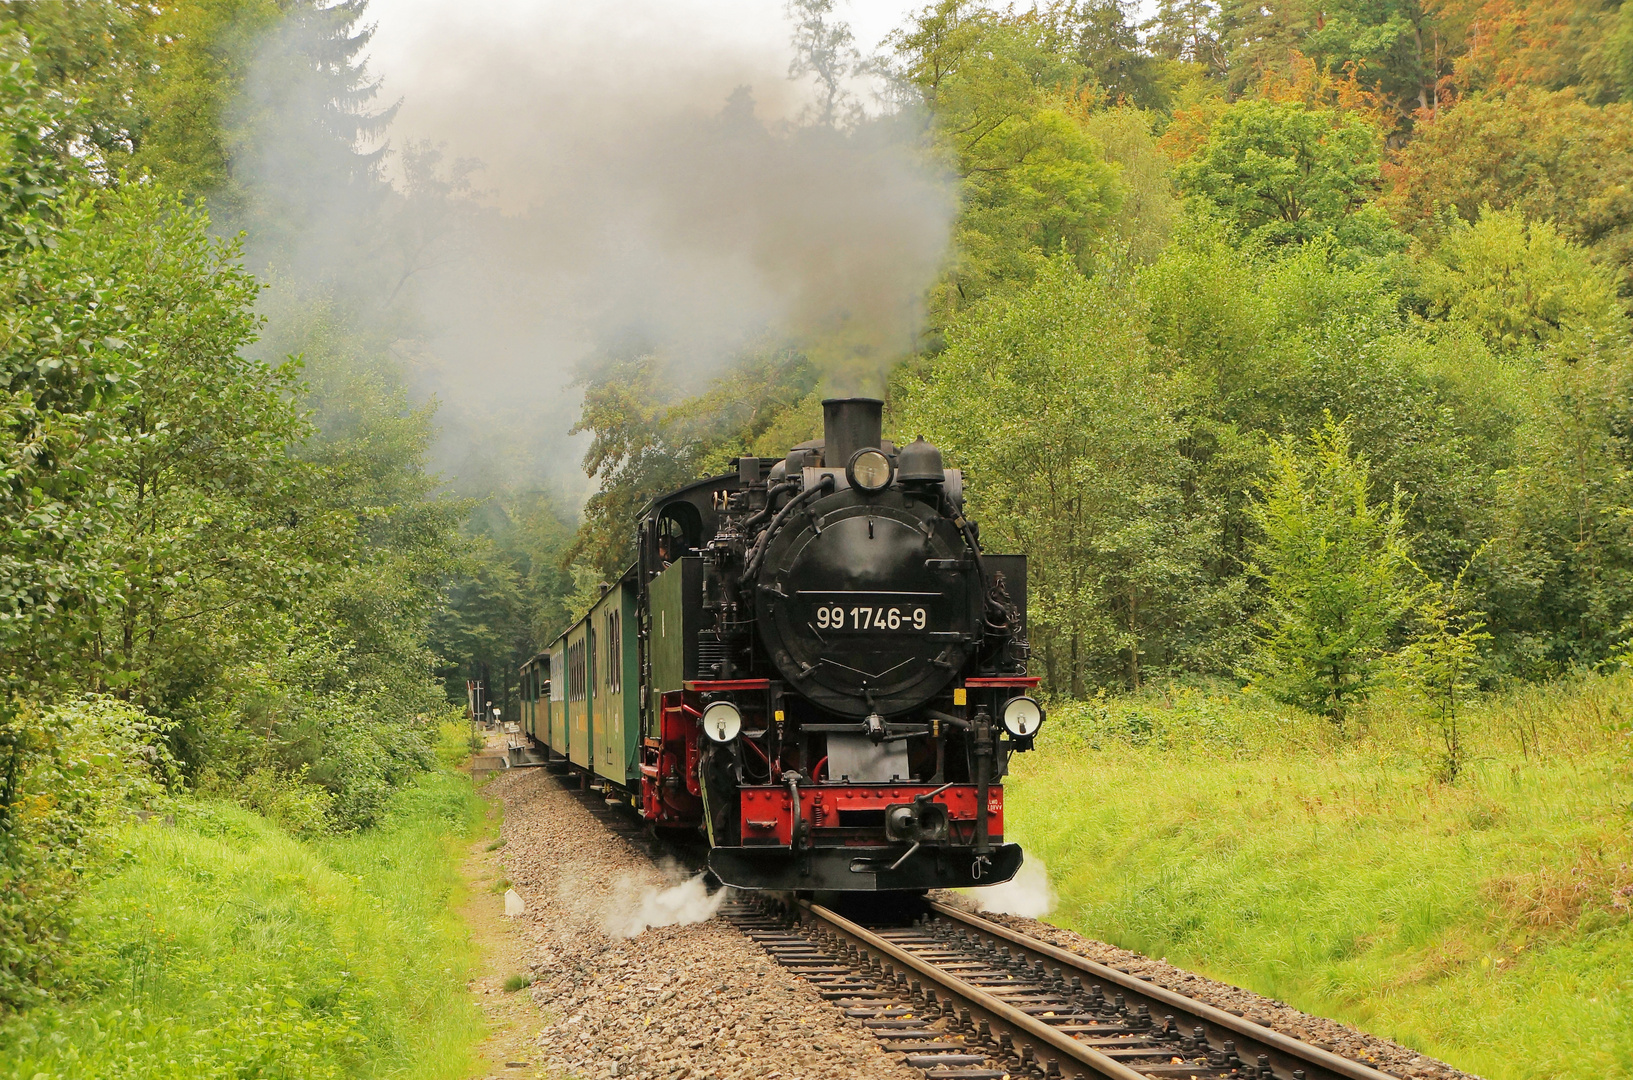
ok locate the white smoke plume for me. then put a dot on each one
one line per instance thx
(635, 907)
(1027, 894)
(613, 178)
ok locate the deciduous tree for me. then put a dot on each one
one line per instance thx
(1550, 156)
(1520, 286)
(1071, 448)
(1281, 173)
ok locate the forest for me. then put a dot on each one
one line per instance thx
(1276, 338)
(1290, 341)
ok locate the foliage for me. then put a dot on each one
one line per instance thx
(1520, 285)
(1334, 566)
(1104, 40)
(1185, 31)
(31, 175)
(1549, 156)
(1281, 173)
(1080, 468)
(252, 558)
(1441, 664)
(1562, 567)
(187, 538)
(510, 595)
(1270, 344)
(68, 776)
(209, 514)
(645, 444)
(1171, 260)
(1148, 209)
(190, 131)
(1615, 60)
(1415, 60)
(1338, 876)
(88, 56)
(1189, 717)
(1032, 180)
(221, 947)
(202, 526)
(1545, 43)
(824, 49)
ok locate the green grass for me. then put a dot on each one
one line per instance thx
(1486, 923)
(222, 947)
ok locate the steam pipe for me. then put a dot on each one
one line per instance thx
(770, 500)
(793, 779)
(983, 780)
(751, 565)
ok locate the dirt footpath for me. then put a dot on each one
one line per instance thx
(678, 1002)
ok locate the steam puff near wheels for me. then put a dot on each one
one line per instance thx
(635, 907)
(1027, 894)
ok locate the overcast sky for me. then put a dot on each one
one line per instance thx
(408, 27)
(689, 53)
(738, 40)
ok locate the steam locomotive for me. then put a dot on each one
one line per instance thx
(813, 662)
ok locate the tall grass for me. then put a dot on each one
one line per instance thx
(219, 946)
(1485, 922)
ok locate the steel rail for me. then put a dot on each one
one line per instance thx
(1283, 1050)
(1286, 1053)
(996, 1012)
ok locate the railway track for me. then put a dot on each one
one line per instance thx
(964, 998)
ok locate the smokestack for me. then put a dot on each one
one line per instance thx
(849, 425)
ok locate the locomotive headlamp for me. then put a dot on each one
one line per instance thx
(869, 470)
(722, 721)
(1022, 717)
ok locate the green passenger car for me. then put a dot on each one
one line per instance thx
(615, 712)
(554, 731)
(589, 712)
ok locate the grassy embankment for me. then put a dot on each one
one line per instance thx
(1485, 922)
(222, 947)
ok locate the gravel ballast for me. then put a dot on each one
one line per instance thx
(673, 1002)
(1330, 1035)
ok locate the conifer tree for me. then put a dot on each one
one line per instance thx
(1334, 566)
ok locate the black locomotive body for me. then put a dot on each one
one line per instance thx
(831, 674)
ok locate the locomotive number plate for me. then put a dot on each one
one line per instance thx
(866, 617)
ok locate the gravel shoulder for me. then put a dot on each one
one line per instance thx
(1328, 1034)
(675, 1002)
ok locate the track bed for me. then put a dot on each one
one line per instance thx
(776, 989)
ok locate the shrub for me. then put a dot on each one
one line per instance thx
(1210, 719)
(67, 776)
